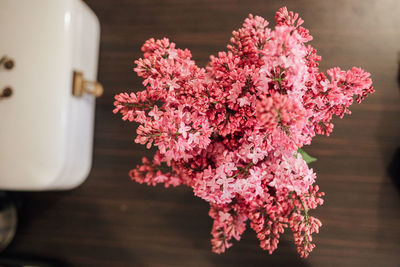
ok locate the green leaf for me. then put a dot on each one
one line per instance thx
(307, 158)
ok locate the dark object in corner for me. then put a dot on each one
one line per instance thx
(394, 169)
(22, 262)
(8, 220)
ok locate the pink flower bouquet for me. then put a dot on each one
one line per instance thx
(233, 131)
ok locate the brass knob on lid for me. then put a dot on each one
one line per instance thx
(7, 92)
(81, 86)
(7, 62)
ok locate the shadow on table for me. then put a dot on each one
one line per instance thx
(64, 241)
(388, 138)
(194, 232)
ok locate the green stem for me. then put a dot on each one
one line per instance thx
(305, 210)
(153, 135)
(242, 170)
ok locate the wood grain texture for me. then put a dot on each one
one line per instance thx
(111, 221)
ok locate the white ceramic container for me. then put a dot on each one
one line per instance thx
(46, 133)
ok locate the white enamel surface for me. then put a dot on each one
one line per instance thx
(46, 134)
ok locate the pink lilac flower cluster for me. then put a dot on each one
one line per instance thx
(232, 131)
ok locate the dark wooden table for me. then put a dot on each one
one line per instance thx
(111, 221)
